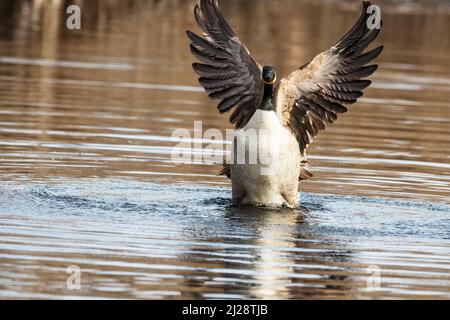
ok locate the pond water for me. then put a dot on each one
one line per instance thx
(87, 180)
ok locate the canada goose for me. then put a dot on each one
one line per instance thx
(287, 117)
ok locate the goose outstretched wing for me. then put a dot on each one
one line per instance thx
(311, 97)
(227, 70)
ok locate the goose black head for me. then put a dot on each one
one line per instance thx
(269, 74)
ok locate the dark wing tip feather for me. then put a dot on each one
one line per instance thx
(371, 69)
(358, 31)
(191, 35)
(381, 48)
(369, 56)
(222, 21)
(364, 72)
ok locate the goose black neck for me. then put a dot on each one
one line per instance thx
(267, 101)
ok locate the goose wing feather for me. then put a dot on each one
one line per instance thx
(313, 96)
(227, 71)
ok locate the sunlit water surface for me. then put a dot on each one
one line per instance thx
(87, 179)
